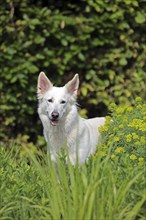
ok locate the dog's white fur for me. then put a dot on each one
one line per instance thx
(63, 127)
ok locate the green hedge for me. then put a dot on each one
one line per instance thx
(104, 41)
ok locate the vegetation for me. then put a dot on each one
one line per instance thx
(125, 133)
(111, 185)
(98, 190)
(104, 41)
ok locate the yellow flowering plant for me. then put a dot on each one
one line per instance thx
(124, 133)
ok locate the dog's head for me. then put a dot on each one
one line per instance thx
(55, 102)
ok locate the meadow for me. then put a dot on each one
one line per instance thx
(110, 186)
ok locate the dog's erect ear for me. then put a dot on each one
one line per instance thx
(44, 83)
(72, 85)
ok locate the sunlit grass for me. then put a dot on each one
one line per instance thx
(33, 188)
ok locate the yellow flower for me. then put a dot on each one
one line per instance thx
(137, 143)
(104, 147)
(129, 109)
(137, 123)
(129, 138)
(109, 143)
(103, 128)
(139, 106)
(142, 139)
(121, 126)
(116, 139)
(108, 118)
(112, 107)
(142, 127)
(135, 136)
(113, 156)
(120, 110)
(138, 99)
(144, 118)
(102, 153)
(141, 159)
(133, 157)
(115, 129)
(119, 150)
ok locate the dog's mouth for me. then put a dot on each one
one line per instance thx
(54, 118)
(54, 122)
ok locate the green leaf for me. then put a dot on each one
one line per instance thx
(39, 40)
(40, 56)
(32, 68)
(123, 62)
(81, 56)
(64, 42)
(140, 18)
(84, 91)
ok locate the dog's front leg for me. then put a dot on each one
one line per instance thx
(72, 158)
(53, 157)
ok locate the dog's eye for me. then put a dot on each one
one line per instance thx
(50, 100)
(63, 102)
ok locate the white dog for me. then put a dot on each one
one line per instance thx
(63, 127)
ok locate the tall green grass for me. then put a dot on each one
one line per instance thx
(32, 188)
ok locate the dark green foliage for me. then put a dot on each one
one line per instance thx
(104, 41)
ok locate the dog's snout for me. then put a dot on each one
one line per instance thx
(55, 115)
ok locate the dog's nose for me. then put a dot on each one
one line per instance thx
(55, 115)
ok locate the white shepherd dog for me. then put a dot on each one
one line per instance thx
(63, 127)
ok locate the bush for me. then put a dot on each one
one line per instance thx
(125, 135)
(103, 41)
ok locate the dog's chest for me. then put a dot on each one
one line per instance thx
(56, 138)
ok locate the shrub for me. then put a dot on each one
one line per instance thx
(124, 134)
